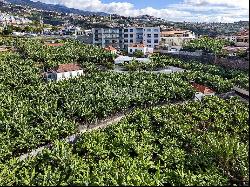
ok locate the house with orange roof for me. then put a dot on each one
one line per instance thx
(140, 47)
(202, 91)
(111, 49)
(63, 71)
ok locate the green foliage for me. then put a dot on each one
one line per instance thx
(70, 52)
(199, 143)
(206, 44)
(216, 77)
(34, 113)
(7, 30)
(138, 54)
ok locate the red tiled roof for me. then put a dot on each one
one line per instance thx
(67, 67)
(110, 48)
(202, 89)
(54, 44)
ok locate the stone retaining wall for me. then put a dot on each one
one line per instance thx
(229, 62)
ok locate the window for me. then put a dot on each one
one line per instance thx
(125, 41)
(156, 30)
(131, 41)
(148, 30)
(131, 30)
(131, 35)
(156, 35)
(148, 41)
(70, 74)
(149, 35)
(63, 76)
(131, 50)
(125, 30)
(156, 41)
(125, 35)
(77, 73)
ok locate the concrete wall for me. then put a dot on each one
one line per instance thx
(67, 75)
(235, 63)
(229, 62)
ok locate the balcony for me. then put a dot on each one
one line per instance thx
(110, 31)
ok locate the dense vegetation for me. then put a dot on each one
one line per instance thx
(47, 57)
(157, 146)
(71, 52)
(34, 113)
(199, 143)
(206, 44)
(216, 77)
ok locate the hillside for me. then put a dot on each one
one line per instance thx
(51, 7)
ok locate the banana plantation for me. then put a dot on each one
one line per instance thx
(158, 143)
(200, 143)
(206, 44)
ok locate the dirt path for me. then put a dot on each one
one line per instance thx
(73, 138)
(83, 128)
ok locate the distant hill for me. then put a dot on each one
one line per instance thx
(51, 7)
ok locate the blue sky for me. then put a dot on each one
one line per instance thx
(171, 10)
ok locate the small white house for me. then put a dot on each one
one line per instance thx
(64, 71)
(140, 47)
(127, 59)
(202, 91)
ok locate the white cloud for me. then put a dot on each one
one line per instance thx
(187, 10)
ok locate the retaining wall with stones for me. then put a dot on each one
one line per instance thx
(229, 62)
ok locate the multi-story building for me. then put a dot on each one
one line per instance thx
(105, 37)
(176, 37)
(72, 30)
(124, 37)
(149, 36)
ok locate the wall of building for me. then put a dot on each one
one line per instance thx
(67, 75)
(105, 37)
(149, 36)
(64, 75)
(131, 50)
(174, 41)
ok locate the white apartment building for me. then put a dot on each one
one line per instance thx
(149, 36)
(123, 37)
(72, 30)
